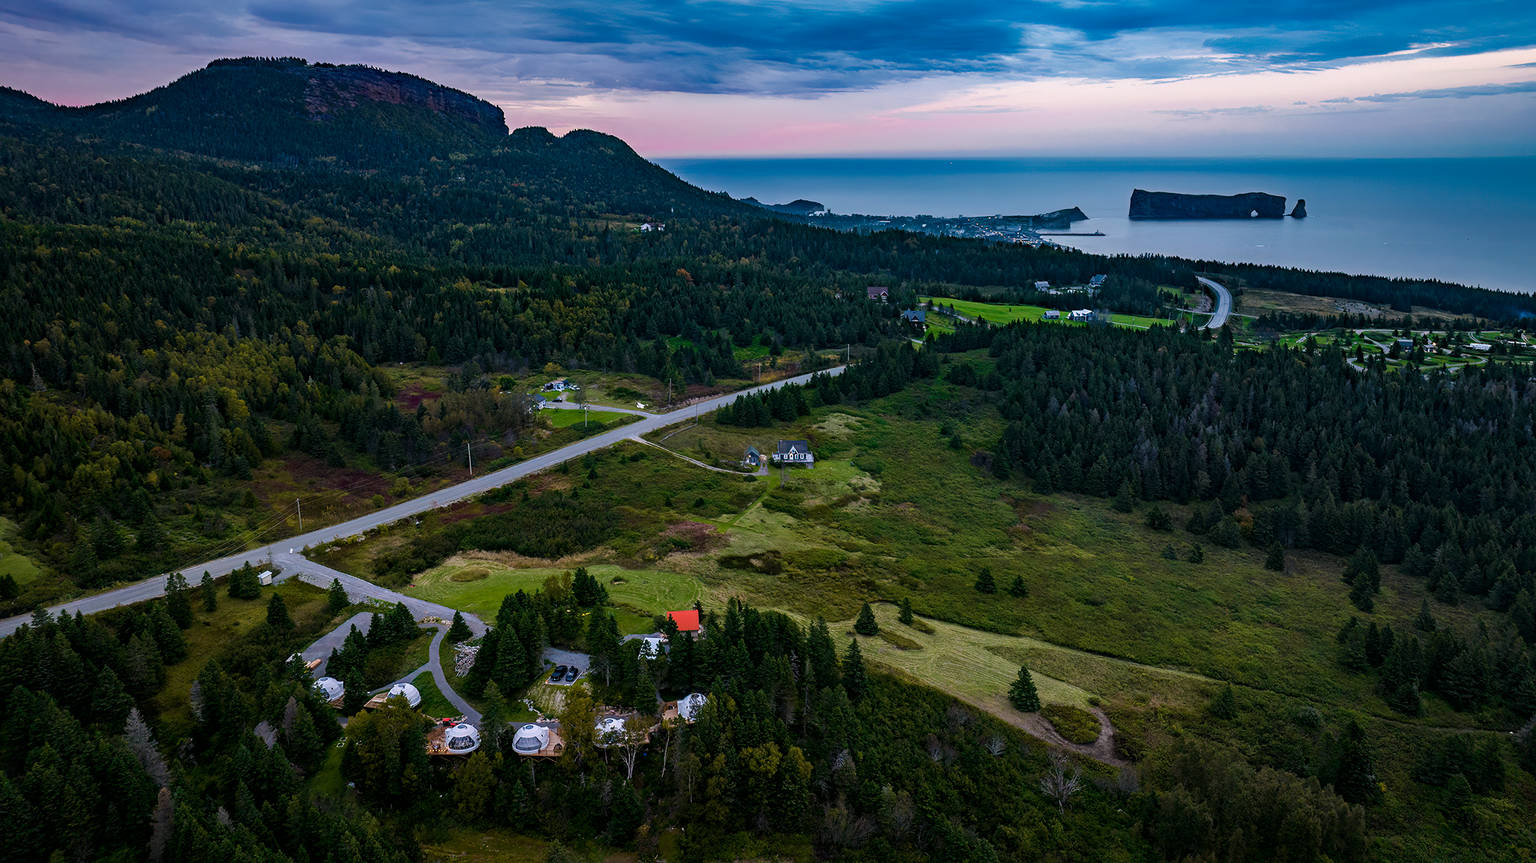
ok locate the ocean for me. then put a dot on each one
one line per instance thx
(1471, 221)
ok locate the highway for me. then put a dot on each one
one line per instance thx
(1223, 303)
(279, 552)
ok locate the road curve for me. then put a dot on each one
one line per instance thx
(151, 588)
(1223, 303)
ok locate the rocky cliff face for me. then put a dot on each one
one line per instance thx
(1173, 205)
(1300, 210)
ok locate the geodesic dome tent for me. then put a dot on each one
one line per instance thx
(461, 739)
(608, 726)
(330, 688)
(530, 738)
(411, 694)
(688, 706)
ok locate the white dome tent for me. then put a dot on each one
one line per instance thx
(608, 730)
(688, 706)
(411, 694)
(530, 738)
(461, 739)
(330, 688)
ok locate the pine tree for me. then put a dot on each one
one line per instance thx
(210, 593)
(1197, 554)
(492, 720)
(277, 614)
(177, 602)
(1022, 694)
(855, 678)
(1274, 560)
(1170, 553)
(1125, 500)
(866, 624)
(1425, 622)
(110, 702)
(984, 582)
(1448, 590)
(1354, 768)
(355, 694)
(459, 630)
(336, 598)
(905, 615)
(1158, 518)
(167, 635)
(1018, 588)
(1224, 704)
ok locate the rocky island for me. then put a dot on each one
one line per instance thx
(1174, 205)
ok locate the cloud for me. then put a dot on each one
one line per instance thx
(1466, 92)
(809, 47)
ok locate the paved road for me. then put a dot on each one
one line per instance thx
(1223, 303)
(333, 640)
(151, 588)
(357, 589)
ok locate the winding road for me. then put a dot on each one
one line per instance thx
(1223, 303)
(288, 551)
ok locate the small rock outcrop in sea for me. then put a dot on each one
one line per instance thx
(1175, 205)
(1300, 210)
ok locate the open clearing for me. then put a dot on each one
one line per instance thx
(641, 592)
(16, 565)
(1001, 313)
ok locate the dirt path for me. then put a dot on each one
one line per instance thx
(1101, 750)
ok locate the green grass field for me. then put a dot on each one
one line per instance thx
(18, 566)
(638, 593)
(433, 703)
(565, 418)
(1000, 313)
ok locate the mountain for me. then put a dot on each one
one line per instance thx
(286, 111)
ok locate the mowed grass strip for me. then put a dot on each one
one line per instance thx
(644, 592)
(433, 703)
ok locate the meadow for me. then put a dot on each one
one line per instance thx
(1003, 313)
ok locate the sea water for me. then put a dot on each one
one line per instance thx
(1471, 221)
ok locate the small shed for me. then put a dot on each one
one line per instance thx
(265, 578)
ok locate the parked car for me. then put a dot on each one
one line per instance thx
(558, 674)
(572, 674)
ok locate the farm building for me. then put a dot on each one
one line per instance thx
(452, 738)
(538, 740)
(791, 452)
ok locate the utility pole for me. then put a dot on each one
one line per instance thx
(468, 454)
(583, 416)
(300, 508)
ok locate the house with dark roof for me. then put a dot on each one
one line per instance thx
(753, 459)
(1097, 281)
(915, 316)
(879, 292)
(793, 452)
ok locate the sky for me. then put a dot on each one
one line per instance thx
(867, 77)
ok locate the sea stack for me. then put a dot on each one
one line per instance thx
(1300, 210)
(1175, 205)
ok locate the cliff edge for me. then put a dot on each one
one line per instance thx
(1174, 205)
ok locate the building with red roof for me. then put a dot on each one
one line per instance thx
(687, 621)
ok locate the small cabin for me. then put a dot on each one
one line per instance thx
(686, 621)
(265, 578)
(1051, 315)
(753, 459)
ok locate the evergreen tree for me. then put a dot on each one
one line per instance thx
(9, 590)
(167, 635)
(1158, 518)
(1196, 554)
(904, 616)
(1354, 767)
(493, 720)
(1125, 500)
(110, 702)
(984, 582)
(1018, 588)
(1274, 559)
(336, 598)
(277, 614)
(866, 624)
(1224, 703)
(1022, 694)
(177, 603)
(1170, 553)
(1425, 622)
(355, 694)
(210, 593)
(855, 678)
(459, 631)
(1448, 590)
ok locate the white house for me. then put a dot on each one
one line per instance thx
(1042, 285)
(649, 227)
(1051, 315)
(1083, 315)
(791, 452)
(1479, 346)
